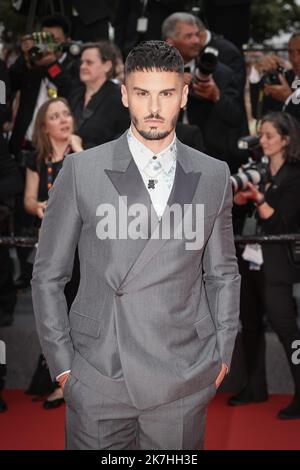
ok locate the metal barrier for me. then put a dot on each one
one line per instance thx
(11, 241)
(28, 242)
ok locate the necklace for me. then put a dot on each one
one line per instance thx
(50, 169)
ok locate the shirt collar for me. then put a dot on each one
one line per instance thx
(208, 36)
(142, 154)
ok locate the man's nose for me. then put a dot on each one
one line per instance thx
(196, 39)
(154, 105)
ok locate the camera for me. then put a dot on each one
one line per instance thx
(256, 170)
(44, 44)
(206, 64)
(252, 145)
(272, 78)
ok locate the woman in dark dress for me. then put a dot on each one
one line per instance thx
(269, 289)
(53, 139)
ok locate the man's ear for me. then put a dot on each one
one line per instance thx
(169, 41)
(124, 95)
(184, 98)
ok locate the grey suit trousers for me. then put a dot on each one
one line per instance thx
(96, 421)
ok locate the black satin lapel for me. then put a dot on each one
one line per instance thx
(184, 187)
(131, 185)
(182, 193)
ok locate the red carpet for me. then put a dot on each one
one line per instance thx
(27, 426)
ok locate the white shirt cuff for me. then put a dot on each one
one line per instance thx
(65, 372)
(254, 76)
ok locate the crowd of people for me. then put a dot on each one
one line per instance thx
(59, 104)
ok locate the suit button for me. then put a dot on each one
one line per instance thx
(119, 293)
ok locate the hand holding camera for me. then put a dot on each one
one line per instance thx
(272, 69)
(207, 90)
(40, 49)
(201, 82)
(268, 63)
(250, 194)
(279, 92)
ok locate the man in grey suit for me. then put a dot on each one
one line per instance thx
(151, 331)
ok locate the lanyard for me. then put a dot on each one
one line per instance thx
(144, 7)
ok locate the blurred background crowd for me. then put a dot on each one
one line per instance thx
(61, 68)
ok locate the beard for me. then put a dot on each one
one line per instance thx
(153, 133)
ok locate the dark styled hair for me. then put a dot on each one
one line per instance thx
(57, 21)
(288, 127)
(154, 55)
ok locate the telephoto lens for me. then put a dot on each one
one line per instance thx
(252, 172)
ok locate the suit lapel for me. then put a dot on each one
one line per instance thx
(128, 182)
(184, 187)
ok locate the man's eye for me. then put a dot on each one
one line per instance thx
(166, 93)
(142, 93)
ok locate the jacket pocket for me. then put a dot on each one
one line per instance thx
(205, 327)
(85, 325)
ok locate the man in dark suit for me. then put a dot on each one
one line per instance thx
(267, 97)
(38, 81)
(215, 105)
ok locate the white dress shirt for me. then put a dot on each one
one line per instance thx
(163, 176)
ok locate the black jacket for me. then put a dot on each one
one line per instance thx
(104, 118)
(221, 123)
(284, 197)
(28, 80)
(230, 55)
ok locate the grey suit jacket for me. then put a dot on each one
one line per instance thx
(149, 313)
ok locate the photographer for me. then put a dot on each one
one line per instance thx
(270, 84)
(268, 276)
(40, 78)
(215, 104)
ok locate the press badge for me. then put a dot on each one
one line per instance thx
(253, 254)
(142, 25)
